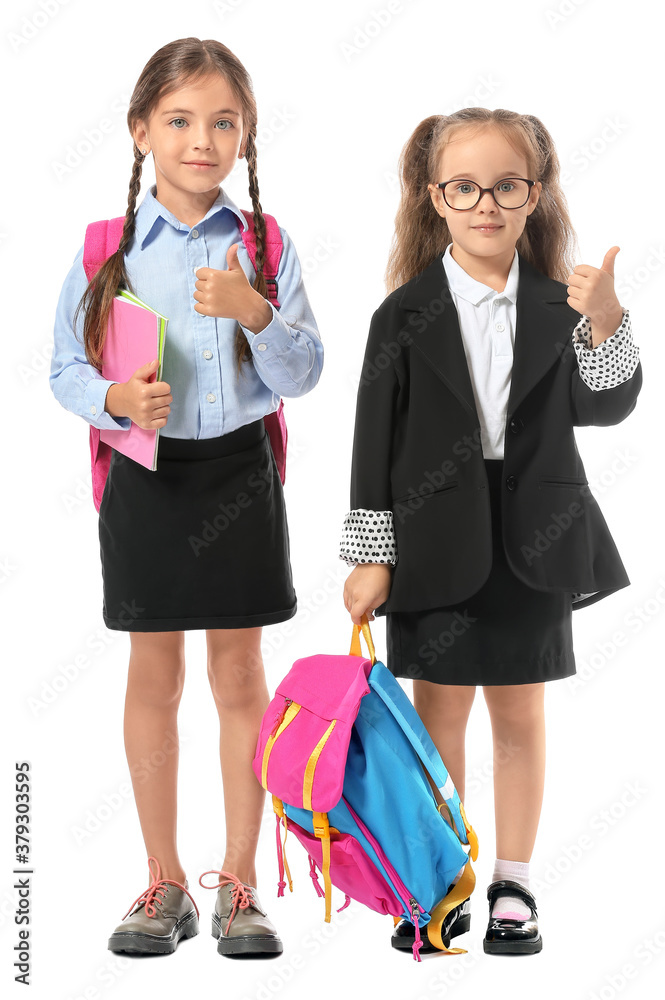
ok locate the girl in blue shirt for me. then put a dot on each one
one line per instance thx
(202, 542)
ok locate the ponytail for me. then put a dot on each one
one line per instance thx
(548, 240)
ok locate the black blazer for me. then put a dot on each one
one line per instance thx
(417, 449)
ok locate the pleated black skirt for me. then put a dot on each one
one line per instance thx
(202, 542)
(505, 633)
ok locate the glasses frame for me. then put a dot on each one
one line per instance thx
(442, 187)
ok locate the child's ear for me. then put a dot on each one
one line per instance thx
(537, 187)
(437, 199)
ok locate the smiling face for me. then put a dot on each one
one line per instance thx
(485, 231)
(195, 135)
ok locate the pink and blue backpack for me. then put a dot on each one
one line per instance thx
(356, 778)
(101, 240)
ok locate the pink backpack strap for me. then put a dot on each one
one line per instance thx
(273, 251)
(101, 240)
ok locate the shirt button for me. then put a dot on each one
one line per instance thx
(194, 234)
(261, 347)
(93, 410)
(500, 327)
(211, 397)
(207, 355)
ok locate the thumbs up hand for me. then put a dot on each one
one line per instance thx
(229, 294)
(591, 292)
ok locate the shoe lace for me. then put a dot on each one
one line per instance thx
(241, 893)
(156, 891)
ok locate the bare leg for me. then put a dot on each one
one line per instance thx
(154, 687)
(237, 680)
(517, 713)
(444, 709)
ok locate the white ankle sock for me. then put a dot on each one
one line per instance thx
(511, 907)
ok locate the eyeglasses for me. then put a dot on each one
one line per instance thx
(511, 192)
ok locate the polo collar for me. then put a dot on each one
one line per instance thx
(474, 291)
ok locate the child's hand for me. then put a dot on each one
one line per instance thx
(145, 402)
(591, 292)
(367, 586)
(229, 294)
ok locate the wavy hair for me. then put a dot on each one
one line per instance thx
(548, 240)
(182, 61)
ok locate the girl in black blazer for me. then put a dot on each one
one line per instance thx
(472, 526)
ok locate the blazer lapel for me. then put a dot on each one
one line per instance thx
(543, 330)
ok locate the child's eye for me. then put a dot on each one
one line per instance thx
(505, 185)
(174, 120)
(226, 124)
(465, 187)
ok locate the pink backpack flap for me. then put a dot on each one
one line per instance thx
(101, 240)
(313, 724)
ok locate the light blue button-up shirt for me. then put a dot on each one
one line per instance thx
(209, 399)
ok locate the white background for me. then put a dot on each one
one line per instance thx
(340, 87)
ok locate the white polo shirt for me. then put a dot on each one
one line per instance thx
(487, 320)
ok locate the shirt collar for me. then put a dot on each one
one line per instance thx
(150, 211)
(475, 291)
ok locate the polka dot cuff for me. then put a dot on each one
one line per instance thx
(610, 363)
(368, 536)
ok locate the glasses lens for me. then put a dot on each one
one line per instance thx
(511, 192)
(461, 194)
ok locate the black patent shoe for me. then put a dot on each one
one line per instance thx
(457, 922)
(506, 936)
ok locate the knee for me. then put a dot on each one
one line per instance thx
(160, 688)
(237, 681)
(515, 709)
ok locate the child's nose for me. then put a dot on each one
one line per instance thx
(486, 204)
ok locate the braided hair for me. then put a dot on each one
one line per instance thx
(178, 62)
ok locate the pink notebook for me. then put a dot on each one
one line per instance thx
(135, 337)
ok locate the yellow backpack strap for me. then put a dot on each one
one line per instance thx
(278, 806)
(355, 649)
(459, 892)
(322, 831)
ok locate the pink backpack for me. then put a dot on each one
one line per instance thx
(357, 780)
(101, 240)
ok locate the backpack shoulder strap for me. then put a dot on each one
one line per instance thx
(101, 240)
(273, 250)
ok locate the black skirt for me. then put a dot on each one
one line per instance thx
(202, 542)
(505, 633)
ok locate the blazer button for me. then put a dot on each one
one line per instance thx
(516, 425)
(511, 482)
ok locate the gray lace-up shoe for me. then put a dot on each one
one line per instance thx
(157, 919)
(239, 922)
